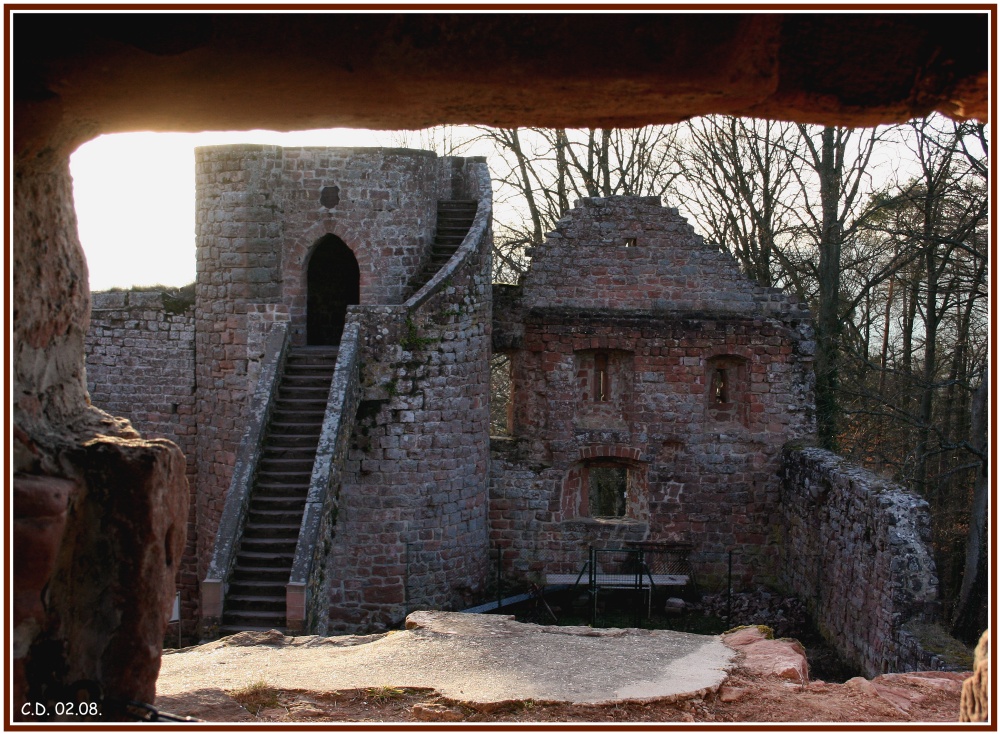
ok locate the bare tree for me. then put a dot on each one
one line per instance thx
(539, 171)
(740, 189)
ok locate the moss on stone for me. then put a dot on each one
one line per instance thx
(935, 640)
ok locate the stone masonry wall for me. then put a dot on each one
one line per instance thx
(857, 550)
(238, 237)
(260, 211)
(626, 281)
(140, 365)
(381, 202)
(411, 528)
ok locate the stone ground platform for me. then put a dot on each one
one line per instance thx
(478, 659)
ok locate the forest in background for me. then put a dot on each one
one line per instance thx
(884, 232)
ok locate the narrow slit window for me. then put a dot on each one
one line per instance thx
(501, 390)
(721, 392)
(630, 242)
(601, 378)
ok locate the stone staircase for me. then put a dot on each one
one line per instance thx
(256, 596)
(454, 218)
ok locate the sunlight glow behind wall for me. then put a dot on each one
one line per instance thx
(135, 199)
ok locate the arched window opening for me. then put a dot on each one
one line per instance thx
(333, 282)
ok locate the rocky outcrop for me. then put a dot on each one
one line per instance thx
(976, 690)
(114, 538)
(765, 656)
(475, 68)
(100, 513)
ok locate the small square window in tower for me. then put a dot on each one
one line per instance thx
(608, 488)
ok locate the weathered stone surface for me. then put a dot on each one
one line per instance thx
(446, 68)
(764, 656)
(475, 659)
(112, 588)
(39, 521)
(857, 550)
(976, 690)
(435, 712)
(54, 428)
(51, 308)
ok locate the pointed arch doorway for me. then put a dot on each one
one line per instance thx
(333, 282)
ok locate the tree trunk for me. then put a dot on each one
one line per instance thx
(971, 608)
(828, 322)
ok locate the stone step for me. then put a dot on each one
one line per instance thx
(284, 466)
(295, 487)
(285, 442)
(290, 426)
(299, 406)
(258, 559)
(299, 392)
(247, 598)
(275, 546)
(271, 503)
(309, 368)
(258, 589)
(257, 620)
(284, 419)
(305, 380)
(271, 529)
(246, 573)
(286, 451)
(315, 399)
(272, 517)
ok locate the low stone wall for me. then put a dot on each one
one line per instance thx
(140, 362)
(856, 550)
(140, 366)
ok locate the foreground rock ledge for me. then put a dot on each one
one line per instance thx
(476, 659)
(459, 665)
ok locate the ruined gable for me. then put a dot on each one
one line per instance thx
(629, 253)
(647, 361)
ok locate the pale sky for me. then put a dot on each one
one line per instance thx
(135, 193)
(135, 198)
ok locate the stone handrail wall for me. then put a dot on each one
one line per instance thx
(234, 513)
(471, 245)
(857, 551)
(303, 606)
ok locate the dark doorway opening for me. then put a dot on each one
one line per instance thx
(333, 282)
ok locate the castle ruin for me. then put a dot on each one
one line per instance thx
(330, 386)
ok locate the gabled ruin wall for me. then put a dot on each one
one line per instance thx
(857, 550)
(626, 281)
(705, 480)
